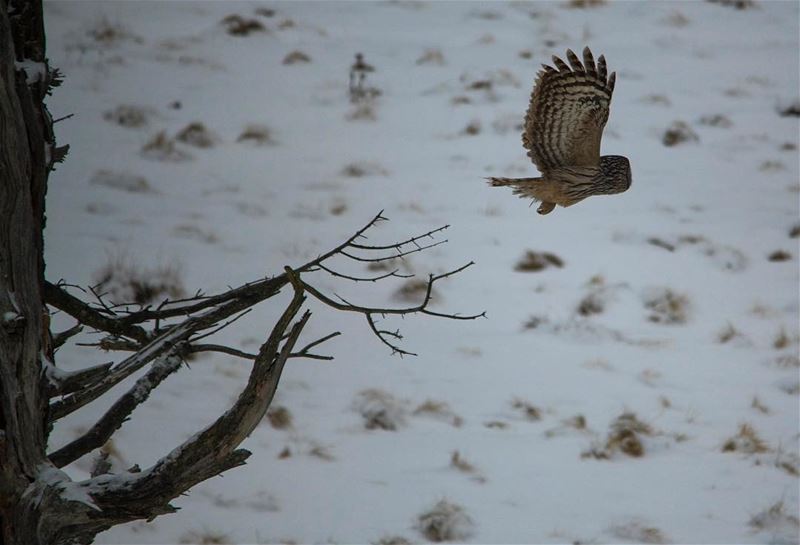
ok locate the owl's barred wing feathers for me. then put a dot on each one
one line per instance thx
(568, 111)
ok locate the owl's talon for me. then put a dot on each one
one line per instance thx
(546, 208)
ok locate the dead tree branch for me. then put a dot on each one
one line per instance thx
(158, 336)
(113, 419)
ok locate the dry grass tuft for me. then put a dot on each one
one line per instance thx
(757, 405)
(584, 4)
(535, 321)
(392, 540)
(361, 169)
(122, 181)
(459, 463)
(193, 232)
(285, 453)
(775, 519)
(771, 165)
(362, 111)
(656, 100)
(528, 410)
(655, 241)
(279, 417)
(624, 435)
(124, 282)
(788, 361)
(782, 340)
(322, 452)
(413, 291)
(110, 34)
(794, 232)
(788, 462)
(162, 148)
(577, 423)
(667, 307)
(790, 110)
(537, 261)
(677, 19)
(296, 57)
(746, 441)
(256, 134)
(727, 334)
(593, 303)
(473, 128)
(236, 25)
(480, 85)
(431, 56)
(380, 410)
(638, 531)
(129, 116)
(496, 425)
(205, 537)
(736, 4)
(779, 255)
(678, 133)
(446, 521)
(197, 134)
(440, 410)
(716, 120)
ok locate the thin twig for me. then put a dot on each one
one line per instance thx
(304, 352)
(395, 273)
(411, 240)
(222, 326)
(222, 349)
(399, 254)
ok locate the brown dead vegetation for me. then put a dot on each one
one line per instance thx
(538, 261)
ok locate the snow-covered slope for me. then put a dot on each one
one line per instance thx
(671, 303)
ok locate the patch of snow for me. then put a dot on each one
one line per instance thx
(34, 71)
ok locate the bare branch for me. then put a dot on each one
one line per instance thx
(77, 380)
(110, 344)
(337, 250)
(382, 334)
(60, 338)
(221, 326)
(370, 312)
(119, 412)
(399, 254)
(397, 245)
(124, 369)
(62, 300)
(304, 352)
(395, 273)
(213, 450)
(194, 348)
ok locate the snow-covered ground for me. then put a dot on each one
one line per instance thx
(671, 304)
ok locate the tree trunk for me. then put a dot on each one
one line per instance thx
(25, 152)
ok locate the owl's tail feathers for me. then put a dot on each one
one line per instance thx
(526, 188)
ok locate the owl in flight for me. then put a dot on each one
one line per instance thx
(563, 126)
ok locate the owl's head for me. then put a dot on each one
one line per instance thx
(618, 169)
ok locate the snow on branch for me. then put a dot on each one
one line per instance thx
(119, 412)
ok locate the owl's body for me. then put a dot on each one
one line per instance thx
(563, 126)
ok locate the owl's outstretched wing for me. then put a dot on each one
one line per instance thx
(568, 110)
